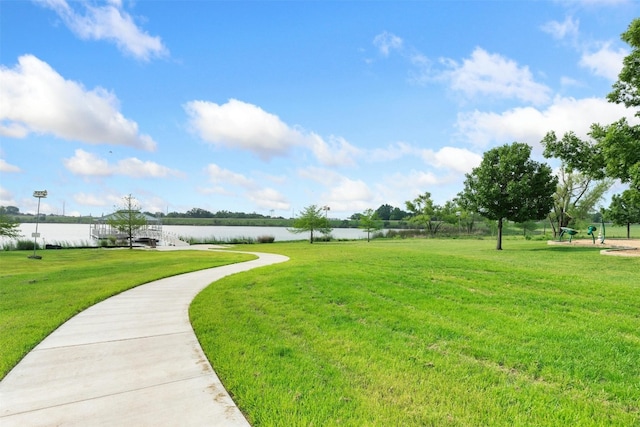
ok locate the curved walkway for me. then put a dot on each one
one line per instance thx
(132, 359)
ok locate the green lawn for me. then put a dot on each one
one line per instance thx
(429, 332)
(36, 296)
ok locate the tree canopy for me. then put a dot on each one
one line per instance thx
(509, 185)
(369, 222)
(425, 213)
(8, 227)
(128, 219)
(311, 219)
(627, 89)
(625, 209)
(575, 198)
(615, 148)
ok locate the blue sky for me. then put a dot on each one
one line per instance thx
(269, 106)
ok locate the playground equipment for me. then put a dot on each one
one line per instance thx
(591, 232)
(566, 230)
(602, 232)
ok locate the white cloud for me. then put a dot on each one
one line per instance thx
(263, 198)
(605, 62)
(86, 199)
(386, 42)
(568, 81)
(530, 125)
(245, 126)
(8, 168)
(349, 195)
(6, 197)
(137, 168)
(108, 22)
(88, 164)
(336, 152)
(268, 198)
(320, 175)
(486, 74)
(34, 98)
(238, 124)
(456, 159)
(562, 30)
(219, 175)
(392, 152)
(402, 186)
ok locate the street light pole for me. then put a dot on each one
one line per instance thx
(40, 195)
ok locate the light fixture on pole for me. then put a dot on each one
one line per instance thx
(39, 195)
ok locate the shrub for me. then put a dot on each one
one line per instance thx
(266, 239)
(26, 245)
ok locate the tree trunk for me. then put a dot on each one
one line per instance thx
(311, 238)
(499, 242)
(628, 230)
(553, 226)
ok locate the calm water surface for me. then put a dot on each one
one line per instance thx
(79, 234)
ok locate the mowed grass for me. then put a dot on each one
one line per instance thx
(36, 296)
(429, 333)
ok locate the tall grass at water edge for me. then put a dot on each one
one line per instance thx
(429, 332)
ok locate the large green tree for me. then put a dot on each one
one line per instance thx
(575, 198)
(127, 219)
(508, 185)
(627, 89)
(625, 209)
(614, 150)
(311, 219)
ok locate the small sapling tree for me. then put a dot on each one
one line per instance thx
(369, 222)
(311, 219)
(127, 219)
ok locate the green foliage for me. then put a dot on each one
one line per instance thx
(387, 212)
(311, 219)
(615, 149)
(425, 213)
(575, 153)
(509, 185)
(9, 210)
(627, 89)
(575, 198)
(128, 219)
(625, 209)
(428, 333)
(384, 212)
(620, 146)
(369, 222)
(8, 227)
(26, 245)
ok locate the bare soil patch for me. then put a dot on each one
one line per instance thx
(616, 247)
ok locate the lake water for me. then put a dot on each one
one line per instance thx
(80, 234)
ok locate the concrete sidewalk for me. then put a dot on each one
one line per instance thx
(132, 359)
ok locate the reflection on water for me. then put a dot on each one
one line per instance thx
(80, 234)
